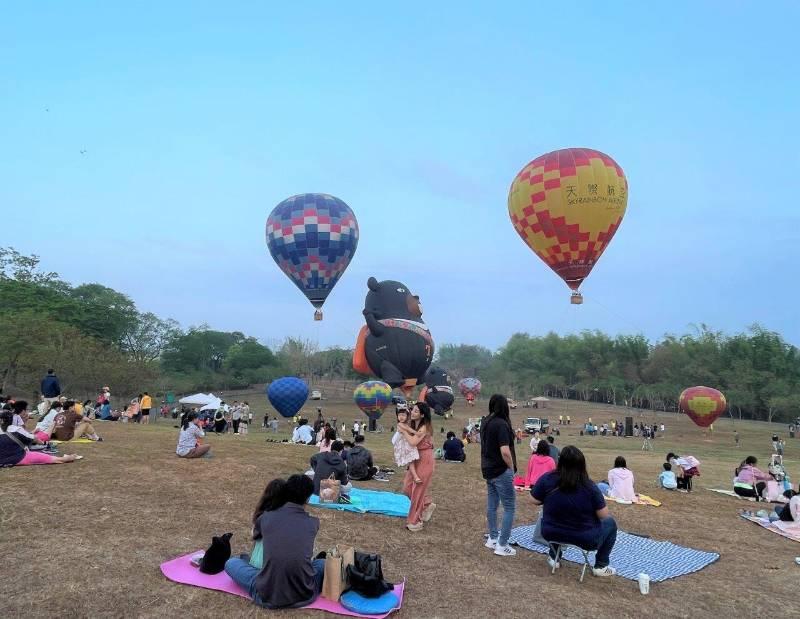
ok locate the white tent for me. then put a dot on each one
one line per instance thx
(198, 399)
(213, 404)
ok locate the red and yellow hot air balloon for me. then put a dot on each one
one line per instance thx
(703, 405)
(567, 205)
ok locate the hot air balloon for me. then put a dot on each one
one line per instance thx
(567, 205)
(470, 388)
(312, 237)
(287, 395)
(394, 345)
(437, 392)
(703, 405)
(372, 397)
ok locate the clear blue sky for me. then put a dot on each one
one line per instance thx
(197, 118)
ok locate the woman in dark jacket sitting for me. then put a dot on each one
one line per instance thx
(289, 578)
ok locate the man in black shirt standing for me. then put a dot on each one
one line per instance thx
(498, 465)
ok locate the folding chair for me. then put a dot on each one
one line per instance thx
(558, 549)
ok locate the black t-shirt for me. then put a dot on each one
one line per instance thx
(495, 433)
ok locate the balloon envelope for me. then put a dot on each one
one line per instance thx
(312, 237)
(287, 395)
(567, 205)
(469, 387)
(372, 397)
(703, 405)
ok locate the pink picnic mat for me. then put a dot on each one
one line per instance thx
(181, 570)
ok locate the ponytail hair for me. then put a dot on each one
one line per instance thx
(189, 419)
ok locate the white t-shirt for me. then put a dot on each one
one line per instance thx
(46, 424)
(188, 439)
(303, 434)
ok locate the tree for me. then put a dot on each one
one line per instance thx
(199, 349)
(148, 336)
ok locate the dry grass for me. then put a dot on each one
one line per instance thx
(86, 539)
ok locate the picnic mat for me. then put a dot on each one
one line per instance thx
(781, 528)
(632, 555)
(642, 499)
(370, 501)
(744, 498)
(182, 571)
(73, 441)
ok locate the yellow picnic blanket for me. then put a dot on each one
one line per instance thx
(75, 440)
(642, 499)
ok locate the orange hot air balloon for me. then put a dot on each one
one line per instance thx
(703, 405)
(567, 206)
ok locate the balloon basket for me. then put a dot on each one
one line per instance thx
(318, 315)
(576, 298)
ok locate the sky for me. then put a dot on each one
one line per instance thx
(197, 118)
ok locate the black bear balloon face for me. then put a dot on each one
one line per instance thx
(436, 377)
(391, 299)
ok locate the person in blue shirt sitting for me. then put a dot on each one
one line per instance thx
(575, 511)
(453, 448)
(667, 478)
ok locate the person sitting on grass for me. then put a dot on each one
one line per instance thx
(453, 449)
(575, 511)
(620, 481)
(14, 444)
(302, 433)
(68, 425)
(329, 435)
(327, 463)
(749, 481)
(190, 440)
(289, 578)
(667, 478)
(539, 463)
(359, 461)
(274, 497)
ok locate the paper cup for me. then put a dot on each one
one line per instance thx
(644, 584)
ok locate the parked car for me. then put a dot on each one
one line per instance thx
(536, 424)
(512, 403)
(316, 394)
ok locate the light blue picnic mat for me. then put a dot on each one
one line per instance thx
(370, 501)
(632, 555)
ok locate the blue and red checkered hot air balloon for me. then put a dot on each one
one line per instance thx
(312, 237)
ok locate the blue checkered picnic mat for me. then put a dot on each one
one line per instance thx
(633, 555)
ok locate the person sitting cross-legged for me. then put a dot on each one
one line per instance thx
(289, 577)
(360, 466)
(575, 511)
(327, 463)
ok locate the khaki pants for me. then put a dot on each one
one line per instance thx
(197, 452)
(84, 427)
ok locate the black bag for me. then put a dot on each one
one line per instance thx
(365, 576)
(213, 562)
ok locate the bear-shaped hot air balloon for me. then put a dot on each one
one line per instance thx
(703, 405)
(437, 392)
(395, 345)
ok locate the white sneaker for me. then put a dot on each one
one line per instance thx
(504, 551)
(553, 563)
(491, 542)
(604, 571)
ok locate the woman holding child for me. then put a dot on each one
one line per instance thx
(418, 432)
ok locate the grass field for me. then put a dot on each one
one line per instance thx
(86, 539)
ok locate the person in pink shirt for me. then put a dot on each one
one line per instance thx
(539, 464)
(620, 481)
(750, 481)
(330, 436)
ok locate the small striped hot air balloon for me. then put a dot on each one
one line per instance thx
(470, 388)
(567, 205)
(703, 405)
(372, 397)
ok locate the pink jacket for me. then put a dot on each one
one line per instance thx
(621, 482)
(750, 475)
(538, 466)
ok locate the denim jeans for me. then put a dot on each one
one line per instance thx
(501, 490)
(244, 575)
(605, 542)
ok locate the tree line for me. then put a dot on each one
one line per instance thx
(95, 335)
